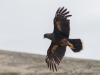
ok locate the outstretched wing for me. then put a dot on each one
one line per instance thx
(55, 54)
(61, 21)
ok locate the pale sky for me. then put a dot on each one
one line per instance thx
(24, 22)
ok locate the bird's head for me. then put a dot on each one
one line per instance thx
(49, 36)
(46, 35)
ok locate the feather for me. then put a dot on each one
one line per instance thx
(64, 11)
(61, 10)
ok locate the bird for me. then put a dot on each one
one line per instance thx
(60, 39)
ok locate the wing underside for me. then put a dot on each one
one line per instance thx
(61, 21)
(55, 54)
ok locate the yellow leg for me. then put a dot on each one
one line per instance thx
(70, 45)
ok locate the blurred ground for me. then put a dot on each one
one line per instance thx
(14, 63)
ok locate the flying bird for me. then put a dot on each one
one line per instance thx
(60, 39)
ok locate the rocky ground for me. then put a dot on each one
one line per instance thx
(14, 63)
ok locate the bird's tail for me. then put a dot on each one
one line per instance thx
(75, 45)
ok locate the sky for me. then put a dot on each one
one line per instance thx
(24, 22)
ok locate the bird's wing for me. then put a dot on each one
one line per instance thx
(61, 21)
(54, 55)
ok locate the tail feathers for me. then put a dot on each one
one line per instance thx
(75, 45)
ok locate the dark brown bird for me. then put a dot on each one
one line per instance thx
(60, 39)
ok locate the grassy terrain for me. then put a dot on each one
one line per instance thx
(14, 63)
